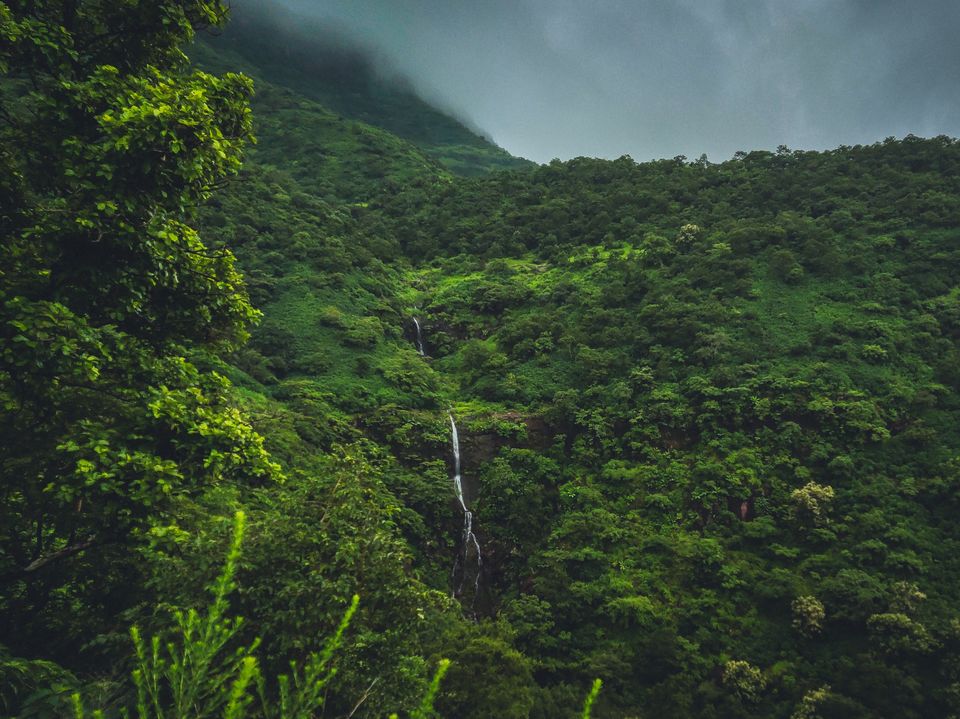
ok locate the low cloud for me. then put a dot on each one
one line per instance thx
(658, 78)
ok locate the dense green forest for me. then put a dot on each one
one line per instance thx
(707, 412)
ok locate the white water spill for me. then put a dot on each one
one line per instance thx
(470, 558)
(416, 323)
(470, 541)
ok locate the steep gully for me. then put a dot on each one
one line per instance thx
(416, 323)
(469, 538)
(470, 558)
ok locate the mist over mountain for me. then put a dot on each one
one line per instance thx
(664, 77)
(322, 47)
(323, 59)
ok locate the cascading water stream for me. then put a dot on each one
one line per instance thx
(470, 541)
(416, 323)
(471, 545)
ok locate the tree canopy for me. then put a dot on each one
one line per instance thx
(111, 307)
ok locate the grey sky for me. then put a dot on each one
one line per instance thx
(658, 78)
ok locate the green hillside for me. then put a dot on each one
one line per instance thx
(329, 156)
(749, 378)
(707, 412)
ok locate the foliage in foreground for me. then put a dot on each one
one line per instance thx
(111, 307)
(202, 671)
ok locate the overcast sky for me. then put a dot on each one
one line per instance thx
(659, 78)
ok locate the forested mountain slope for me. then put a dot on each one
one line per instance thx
(691, 395)
(708, 418)
(328, 155)
(748, 372)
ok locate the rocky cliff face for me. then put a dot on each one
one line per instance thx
(483, 445)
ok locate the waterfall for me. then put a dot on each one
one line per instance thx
(470, 541)
(463, 563)
(416, 323)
